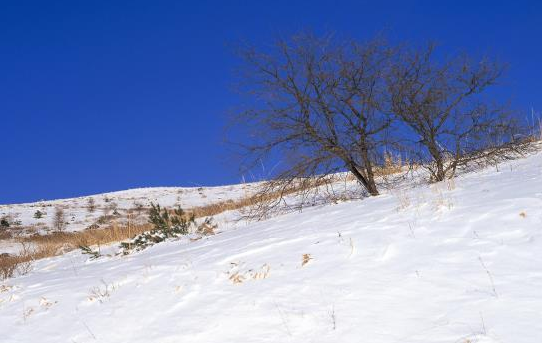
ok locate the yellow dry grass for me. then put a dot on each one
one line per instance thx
(305, 259)
(57, 243)
(36, 247)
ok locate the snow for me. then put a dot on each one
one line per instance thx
(451, 262)
(79, 217)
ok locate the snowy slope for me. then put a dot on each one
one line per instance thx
(80, 217)
(451, 262)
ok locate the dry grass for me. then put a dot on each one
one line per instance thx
(393, 164)
(72, 240)
(305, 259)
(56, 243)
(237, 275)
(9, 265)
(19, 264)
(5, 234)
(36, 247)
(262, 196)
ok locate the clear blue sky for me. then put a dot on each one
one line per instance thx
(100, 96)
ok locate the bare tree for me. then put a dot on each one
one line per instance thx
(450, 121)
(59, 219)
(91, 204)
(319, 105)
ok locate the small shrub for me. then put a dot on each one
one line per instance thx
(59, 219)
(208, 227)
(177, 222)
(104, 219)
(19, 264)
(93, 227)
(8, 266)
(165, 225)
(85, 249)
(4, 223)
(91, 205)
(38, 214)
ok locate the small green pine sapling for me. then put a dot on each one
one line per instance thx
(85, 249)
(4, 223)
(166, 224)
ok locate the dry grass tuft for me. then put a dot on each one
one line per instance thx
(5, 234)
(236, 275)
(393, 164)
(237, 278)
(20, 264)
(305, 259)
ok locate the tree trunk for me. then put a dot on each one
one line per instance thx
(370, 186)
(439, 174)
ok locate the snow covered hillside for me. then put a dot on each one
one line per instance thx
(452, 262)
(79, 215)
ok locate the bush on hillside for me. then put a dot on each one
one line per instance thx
(166, 224)
(59, 219)
(85, 249)
(4, 223)
(91, 205)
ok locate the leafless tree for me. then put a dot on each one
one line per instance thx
(59, 219)
(319, 105)
(443, 108)
(91, 204)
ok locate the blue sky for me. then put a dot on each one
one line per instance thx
(100, 96)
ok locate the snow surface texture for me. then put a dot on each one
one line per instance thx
(452, 262)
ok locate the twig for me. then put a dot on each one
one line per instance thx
(89, 331)
(284, 322)
(484, 332)
(333, 317)
(490, 276)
